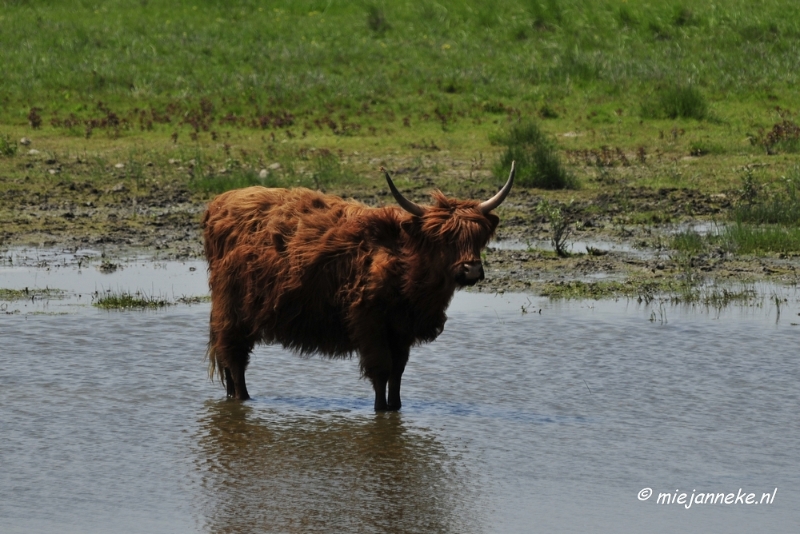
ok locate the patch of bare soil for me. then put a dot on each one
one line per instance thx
(73, 215)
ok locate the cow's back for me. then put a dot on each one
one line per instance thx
(278, 259)
(233, 217)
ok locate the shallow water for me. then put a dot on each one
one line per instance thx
(525, 416)
(573, 247)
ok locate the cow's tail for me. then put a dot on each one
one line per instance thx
(215, 369)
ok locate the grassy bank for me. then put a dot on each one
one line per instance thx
(314, 56)
(612, 83)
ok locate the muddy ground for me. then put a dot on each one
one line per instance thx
(619, 235)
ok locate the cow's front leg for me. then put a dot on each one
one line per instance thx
(376, 364)
(399, 360)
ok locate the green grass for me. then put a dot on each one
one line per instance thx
(125, 300)
(205, 64)
(739, 238)
(35, 293)
(777, 210)
(328, 170)
(761, 239)
(138, 300)
(766, 220)
(321, 169)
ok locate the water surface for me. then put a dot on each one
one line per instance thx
(525, 416)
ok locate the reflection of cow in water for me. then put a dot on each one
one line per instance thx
(263, 470)
(322, 275)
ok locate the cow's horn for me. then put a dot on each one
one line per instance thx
(501, 195)
(413, 209)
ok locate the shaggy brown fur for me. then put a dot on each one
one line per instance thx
(319, 274)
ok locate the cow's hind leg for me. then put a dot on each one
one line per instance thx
(229, 387)
(234, 355)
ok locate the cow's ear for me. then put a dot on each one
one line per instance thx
(494, 220)
(383, 229)
(411, 226)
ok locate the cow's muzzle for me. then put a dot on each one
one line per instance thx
(470, 273)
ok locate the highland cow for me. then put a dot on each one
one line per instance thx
(323, 275)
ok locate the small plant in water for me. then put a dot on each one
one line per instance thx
(689, 242)
(559, 226)
(125, 300)
(31, 294)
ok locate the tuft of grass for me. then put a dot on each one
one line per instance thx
(714, 296)
(125, 300)
(626, 17)
(8, 148)
(537, 161)
(688, 241)
(776, 210)
(645, 291)
(756, 206)
(547, 15)
(676, 102)
(35, 293)
(376, 20)
(684, 17)
(760, 239)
